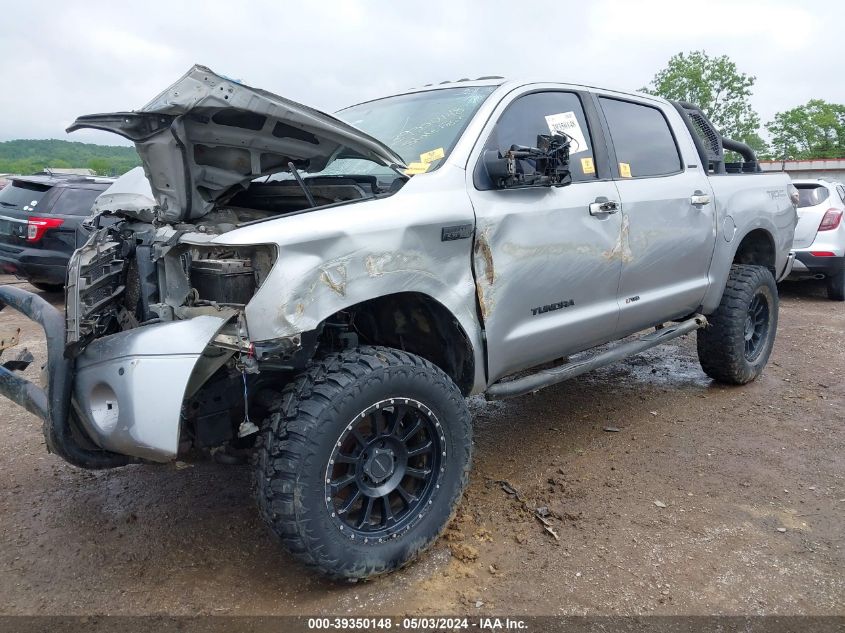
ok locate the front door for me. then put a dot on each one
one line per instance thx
(545, 265)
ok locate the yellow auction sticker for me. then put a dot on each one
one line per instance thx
(416, 168)
(433, 155)
(587, 166)
(625, 170)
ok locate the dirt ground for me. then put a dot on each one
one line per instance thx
(707, 500)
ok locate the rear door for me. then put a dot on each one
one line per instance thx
(668, 221)
(814, 199)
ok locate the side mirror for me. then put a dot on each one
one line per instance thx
(499, 169)
(547, 164)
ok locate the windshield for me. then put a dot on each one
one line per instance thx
(422, 127)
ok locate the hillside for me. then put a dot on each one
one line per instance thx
(26, 156)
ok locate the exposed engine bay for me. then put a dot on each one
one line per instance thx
(131, 274)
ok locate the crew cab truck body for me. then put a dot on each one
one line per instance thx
(322, 292)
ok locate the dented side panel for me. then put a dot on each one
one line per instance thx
(546, 272)
(331, 259)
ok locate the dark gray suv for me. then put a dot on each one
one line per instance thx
(40, 224)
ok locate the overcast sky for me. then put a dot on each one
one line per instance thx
(60, 60)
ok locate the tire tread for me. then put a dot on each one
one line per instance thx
(719, 351)
(287, 443)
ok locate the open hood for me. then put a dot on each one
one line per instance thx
(206, 137)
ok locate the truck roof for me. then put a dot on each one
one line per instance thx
(511, 83)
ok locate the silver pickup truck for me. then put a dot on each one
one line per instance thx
(320, 293)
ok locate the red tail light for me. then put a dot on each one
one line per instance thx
(36, 227)
(831, 220)
(822, 254)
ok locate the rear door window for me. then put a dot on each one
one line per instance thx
(811, 195)
(22, 196)
(75, 201)
(642, 139)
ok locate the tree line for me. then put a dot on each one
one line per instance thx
(813, 130)
(26, 156)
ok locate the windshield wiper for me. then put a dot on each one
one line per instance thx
(302, 184)
(7, 204)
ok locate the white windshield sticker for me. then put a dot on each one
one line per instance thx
(566, 123)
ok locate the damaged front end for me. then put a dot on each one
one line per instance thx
(154, 317)
(152, 314)
(153, 356)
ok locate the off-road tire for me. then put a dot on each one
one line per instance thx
(45, 287)
(836, 286)
(722, 349)
(305, 425)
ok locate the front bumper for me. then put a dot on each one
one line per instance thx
(120, 401)
(129, 387)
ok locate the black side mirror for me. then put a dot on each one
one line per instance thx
(547, 164)
(501, 170)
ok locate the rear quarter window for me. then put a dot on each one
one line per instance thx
(811, 195)
(73, 201)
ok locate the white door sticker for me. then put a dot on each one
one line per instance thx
(566, 123)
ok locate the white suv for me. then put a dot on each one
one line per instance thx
(819, 244)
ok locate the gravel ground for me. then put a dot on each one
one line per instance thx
(707, 500)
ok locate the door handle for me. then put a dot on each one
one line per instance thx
(699, 199)
(603, 206)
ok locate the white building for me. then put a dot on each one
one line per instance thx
(827, 168)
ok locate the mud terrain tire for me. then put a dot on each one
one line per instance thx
(346, 416)
(736, 344)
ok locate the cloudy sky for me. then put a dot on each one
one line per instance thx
(61, 60)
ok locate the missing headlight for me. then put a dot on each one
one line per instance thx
(223, 280)
(227, 275)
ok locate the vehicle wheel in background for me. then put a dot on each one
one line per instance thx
(48, 287)
(836, 286)
(738, 340)
(364, 461)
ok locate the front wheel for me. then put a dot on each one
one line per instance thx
(364, 461)
(738, 340)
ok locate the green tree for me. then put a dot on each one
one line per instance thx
(815, 130)
(716, 86)
(26, 156)
(101, 166)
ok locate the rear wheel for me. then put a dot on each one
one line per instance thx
(836, 286)
(364, 461)
(738, 340)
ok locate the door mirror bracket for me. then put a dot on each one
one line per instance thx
(546, 165)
